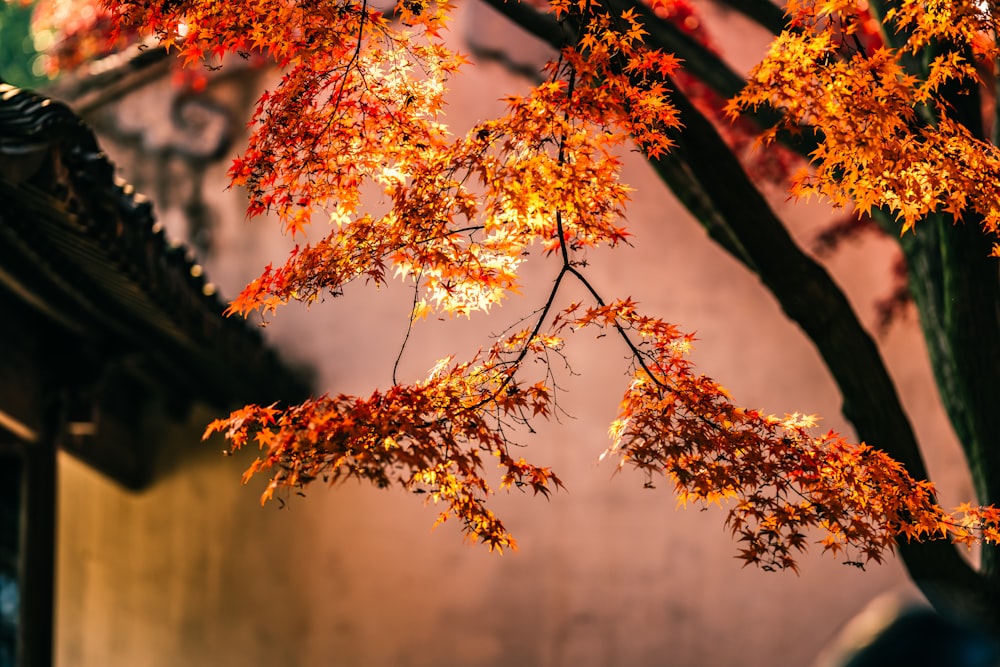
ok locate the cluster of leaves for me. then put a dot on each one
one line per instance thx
(430, 437)
(782, 480)
(460, 212)
(355, 133)
(886, 138)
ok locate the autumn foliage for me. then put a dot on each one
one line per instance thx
(877, 148)
(358, 117)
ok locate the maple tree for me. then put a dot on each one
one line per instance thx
(889, 102)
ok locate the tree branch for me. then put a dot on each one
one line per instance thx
(734, 211)
(764, 12)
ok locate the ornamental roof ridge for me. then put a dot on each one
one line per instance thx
(84, 248)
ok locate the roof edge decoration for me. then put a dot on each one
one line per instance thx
(83, 260)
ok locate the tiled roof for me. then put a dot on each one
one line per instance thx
(85, 251)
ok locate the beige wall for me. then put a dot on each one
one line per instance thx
(194, 572)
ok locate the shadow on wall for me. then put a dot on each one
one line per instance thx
(178, 444)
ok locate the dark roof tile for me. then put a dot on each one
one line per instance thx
(84, 248)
